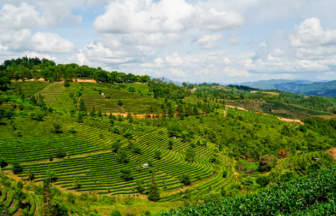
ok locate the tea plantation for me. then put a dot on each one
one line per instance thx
(135, 146)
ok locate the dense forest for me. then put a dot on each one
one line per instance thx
(131, 145)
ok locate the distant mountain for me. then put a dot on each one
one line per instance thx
(322, 88)
(281, 84)
(325, 89)
(289, 87)
(180, 83)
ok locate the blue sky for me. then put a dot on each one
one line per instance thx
(185, 40)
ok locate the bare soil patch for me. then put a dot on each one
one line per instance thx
(332, 152)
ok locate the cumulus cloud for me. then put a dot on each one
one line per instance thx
(219, 20)
(310, 34)
(24, 16)
(42, 14)
(210, 41)
(42, 42)
(123, 16)
(174, 59)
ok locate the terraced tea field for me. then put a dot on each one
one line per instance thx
(51, 92)
(92, 161)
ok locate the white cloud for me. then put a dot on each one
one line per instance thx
(310, 34)
(42, 14)
(174, 59)
(232, 72)
(124, 16)
(24, 16)
(51, 43)
(210, 41)
(278, 53)
(178, 72)
(42, 42)
(215, 21)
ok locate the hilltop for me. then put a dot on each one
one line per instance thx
(85, 141)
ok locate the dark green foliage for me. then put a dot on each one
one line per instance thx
(82, 107)
(19, 184)
(60, 153)
(120, 103)
(224, 174)
(154, 194)
(116, 145)
(71, 198)
(66, 83)
(313, 167)
(122, 156)
(185, 179)
(57, 127)
(262, 181)
(128, 134)
(4, 79)
(115, 212)
(3, 162)
(126, 174)
(17, 168)
(286, 176)
(157, 155)
(190, 154)
(297, 196)
(174, 130)
(137, 149)
(170, 144)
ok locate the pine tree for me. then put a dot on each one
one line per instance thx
(154, 194)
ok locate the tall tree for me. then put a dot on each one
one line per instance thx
(154, 193)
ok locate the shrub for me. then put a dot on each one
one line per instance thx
(262, 181)
(17, 168)
(185, 179)
(115, 213)
(71, 198)
(19, 184)
(126, 174)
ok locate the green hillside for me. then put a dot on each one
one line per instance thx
(126, 145)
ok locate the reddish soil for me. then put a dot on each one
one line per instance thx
(332, 152)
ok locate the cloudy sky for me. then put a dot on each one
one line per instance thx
(183, 40)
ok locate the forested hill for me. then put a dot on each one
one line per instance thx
(84, 141)
(325, 89)
(34, 68)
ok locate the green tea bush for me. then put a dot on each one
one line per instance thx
(283, 199)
